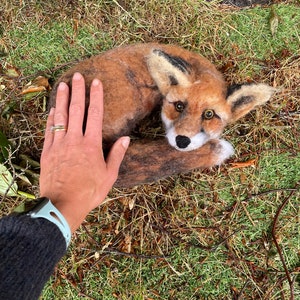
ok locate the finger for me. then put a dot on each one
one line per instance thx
(77, 105)
(116, 156)
(48, 133)
(95, 112)
(61, 110)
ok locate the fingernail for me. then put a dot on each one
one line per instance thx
(77, 76)
(62, 86)
(96, 82)
(51, 112)
(125, 142)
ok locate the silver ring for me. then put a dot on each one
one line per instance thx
(58, 128)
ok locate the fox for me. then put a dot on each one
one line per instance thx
(194, 100)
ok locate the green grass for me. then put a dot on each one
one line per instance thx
(250, 31)
(36, 46)
(42, 48)
(238, 237)
(204, 235)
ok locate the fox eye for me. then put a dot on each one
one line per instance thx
(208, 114)
(179, 106)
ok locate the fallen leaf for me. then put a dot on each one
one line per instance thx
(33, 89)
(273, 21)
(97, 255)
(127, 243)
(11, 71)
(41, 81)
(7, 185)
(230, 64)
(131, 203)
(244, 164)
(39, 84)
(243, 177)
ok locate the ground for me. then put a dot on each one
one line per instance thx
(230, 232)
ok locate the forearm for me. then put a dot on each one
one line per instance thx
(29, 250)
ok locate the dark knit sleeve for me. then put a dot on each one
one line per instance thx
(29, 250)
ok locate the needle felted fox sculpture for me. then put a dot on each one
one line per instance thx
(195, 104)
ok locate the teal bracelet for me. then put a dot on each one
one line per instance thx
(45, 209)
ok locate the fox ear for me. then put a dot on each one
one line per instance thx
(245, 97)
(167, 70)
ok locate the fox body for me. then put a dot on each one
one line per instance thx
(196, 105)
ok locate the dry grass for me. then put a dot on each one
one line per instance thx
(204, 235)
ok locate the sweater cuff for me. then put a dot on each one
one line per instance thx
(29, 250)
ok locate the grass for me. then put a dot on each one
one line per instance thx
(203, 235)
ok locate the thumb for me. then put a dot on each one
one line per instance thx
(116, 154)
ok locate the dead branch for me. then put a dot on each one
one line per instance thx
(281, 207)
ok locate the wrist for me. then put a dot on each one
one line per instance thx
(45, 209)
(73, 215)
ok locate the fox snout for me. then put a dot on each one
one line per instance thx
(186, 143)
(182, 141)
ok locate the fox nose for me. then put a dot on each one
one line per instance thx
(182, 141)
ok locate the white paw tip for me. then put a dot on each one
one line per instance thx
(226, 151)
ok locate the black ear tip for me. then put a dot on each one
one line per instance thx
(173, 80)
(157, 52)
(232, 88)
(236, 86)
(175, 61)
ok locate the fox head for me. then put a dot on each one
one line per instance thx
(197, 104)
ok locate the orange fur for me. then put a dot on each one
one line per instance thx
(138, 78)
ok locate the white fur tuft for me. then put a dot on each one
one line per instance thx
(225, 152)
(171, 136)
(197, 141)
(166, 121)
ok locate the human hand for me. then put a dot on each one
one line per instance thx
(74, 174)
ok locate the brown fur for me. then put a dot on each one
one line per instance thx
(146, 162)
(129, 90)
(136, 79)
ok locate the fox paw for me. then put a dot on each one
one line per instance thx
(225, 150)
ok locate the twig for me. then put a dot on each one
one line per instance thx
(64, 65)
(74, 285)
(231, 207)
(9, 162)
(225, 239)
(270, 191)
(290, 281)
(208, 248)
(110, 250)
(240, 294)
